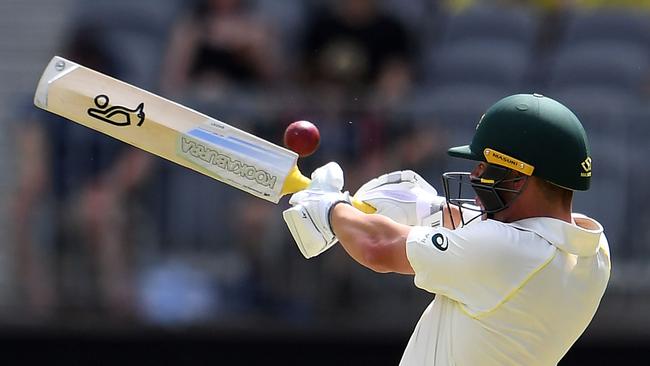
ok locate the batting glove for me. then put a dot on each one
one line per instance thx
(309, 218)
(405, 197)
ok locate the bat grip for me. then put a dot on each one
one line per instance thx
(295, 182)
(362, 206)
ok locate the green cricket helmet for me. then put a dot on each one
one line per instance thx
(534, 135)
(527, 133)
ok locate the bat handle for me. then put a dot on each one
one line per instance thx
(362, 206)
(295, 182)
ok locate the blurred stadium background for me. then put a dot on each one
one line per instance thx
(107, 251)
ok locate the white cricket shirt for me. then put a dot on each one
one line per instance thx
(506, 294)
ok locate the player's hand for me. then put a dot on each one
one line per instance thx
(308, 219)
(405, 197)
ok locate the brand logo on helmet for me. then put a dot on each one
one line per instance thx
(586, 167)
(494, 157)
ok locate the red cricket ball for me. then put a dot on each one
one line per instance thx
(302, 137)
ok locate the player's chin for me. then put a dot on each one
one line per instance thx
(477, 202)
(484, 216)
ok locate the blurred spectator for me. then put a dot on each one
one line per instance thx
(211, 253)
(353, 44)
(217, 45)
(357, 62)
(85, 179)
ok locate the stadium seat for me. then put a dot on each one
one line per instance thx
(607, 199)
(603, 63)
(134, 32)
(419, 16)
(602, 110)
(150, 16)
(617, 130)
(459, 105)
(139, 56)
(637, 183)
(492, 63)
(455, 112)
(287, 17)
(516, 24)
(192, 209)
(619, 25)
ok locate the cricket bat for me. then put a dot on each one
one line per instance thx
(171, 131)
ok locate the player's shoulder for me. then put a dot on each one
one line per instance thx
(496, 238)
(486, 239)
(450, 262)
(491, 230)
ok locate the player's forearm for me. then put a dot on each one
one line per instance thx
(372, 240)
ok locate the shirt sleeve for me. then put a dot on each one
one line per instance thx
(478, 265)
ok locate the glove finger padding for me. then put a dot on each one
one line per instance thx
(308, 220)
(403, 196)
(404, 176)
(310, 240)
(327, 178)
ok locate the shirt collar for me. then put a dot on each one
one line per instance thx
(582, 237)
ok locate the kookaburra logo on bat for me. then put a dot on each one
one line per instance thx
(116, 115)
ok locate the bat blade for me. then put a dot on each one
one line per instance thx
(168, 129)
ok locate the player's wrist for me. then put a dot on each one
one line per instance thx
(345, 199)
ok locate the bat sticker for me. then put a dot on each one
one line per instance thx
(210, 157)
(115, 115)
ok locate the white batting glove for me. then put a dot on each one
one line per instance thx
(309, 220)
(405, 197)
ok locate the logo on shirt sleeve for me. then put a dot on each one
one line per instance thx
(440, 241)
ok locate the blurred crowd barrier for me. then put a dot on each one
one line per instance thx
(104, 232)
